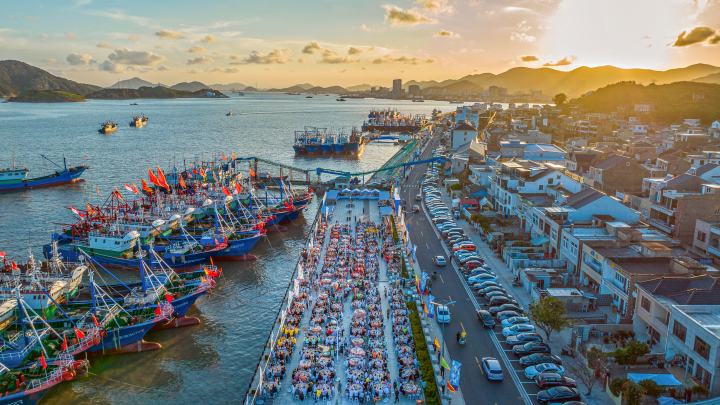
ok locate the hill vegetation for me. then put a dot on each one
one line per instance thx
(150, 92)
(672, 101)
(17, 77)
(46, 96)
(713, 78)
(191, 86)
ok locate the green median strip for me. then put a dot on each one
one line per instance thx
(432, 396)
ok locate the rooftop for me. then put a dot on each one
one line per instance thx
(697, 290)
(708, 317)
(612, 161)
(542, 147)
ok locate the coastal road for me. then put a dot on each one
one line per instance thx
(476, 389)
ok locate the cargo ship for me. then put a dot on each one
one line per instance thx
(14, 178)
(316, 141)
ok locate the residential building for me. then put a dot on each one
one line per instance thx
(397, 88)
(616, 173)
(580, 162)
(462, 134)
(414, 90)
(481, 175)
(697, 160)
(469, 115)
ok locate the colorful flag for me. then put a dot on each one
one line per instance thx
(158, 310)
(64, 345)
(42, 361)
(252, 172)
(426, 310)
(310, 190)
(95, 320)
(153, 179)
(238, 187)
(118, 193)
(443, 363)
(135, 189)
(211, 262)
(2, 255)
(214, 178)
(437, 344)
(79, 334)
(129, 188)
(225, 190)
(190, 175)
(202, 172)
(13, 265)
(431, 299)
(182, 182)
(222, 156)
(145, 186)
(454, 380)
(233, 156)
(450, 387)
(169, 298)
(98, 191)
(77, 212)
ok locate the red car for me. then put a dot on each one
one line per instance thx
(547, 380)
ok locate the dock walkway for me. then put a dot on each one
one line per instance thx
(358, 306)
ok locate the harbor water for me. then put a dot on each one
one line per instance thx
(218, 357)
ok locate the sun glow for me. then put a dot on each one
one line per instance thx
(622, 33)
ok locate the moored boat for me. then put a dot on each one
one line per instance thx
(107, 127)
(14, 178)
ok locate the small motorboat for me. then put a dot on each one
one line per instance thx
(229, 114)
(340, 99)
(308, 96)
(134, 104)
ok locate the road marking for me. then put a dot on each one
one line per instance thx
(427, 246)
(463, 327)
(481, 369)
(441, 279)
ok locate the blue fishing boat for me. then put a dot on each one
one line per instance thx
(14, 178)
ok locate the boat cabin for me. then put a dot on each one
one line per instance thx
(13, 175)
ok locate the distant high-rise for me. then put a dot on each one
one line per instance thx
(397, 88)
(372, 89)
(414, 90)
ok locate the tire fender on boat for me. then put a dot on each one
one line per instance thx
(182, 259)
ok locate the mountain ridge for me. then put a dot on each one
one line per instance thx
(17, 77)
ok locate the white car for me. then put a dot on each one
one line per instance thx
(519, 328)
(515, 320)
(443, 314)
(533, 371)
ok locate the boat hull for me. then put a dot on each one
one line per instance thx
(116, 339)
(313, 149)
(300, 150)
(326, 148)
(339, 148)
(238, 249)
(190, 263)
(59, 178)
(24, 399)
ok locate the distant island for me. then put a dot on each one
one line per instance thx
(152, 92)
(46, 96)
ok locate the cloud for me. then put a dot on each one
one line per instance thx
(221, 70)
(197, 49)
(715, 40)
(698, 34)
(158, 47)
(161, 68)
(193, 71)
(200, 60)
(235, 57)
(333, 58)
(217, 53)
(529, 58)
(108, 66)
(402, 59)
(209, 39)
(447, 34)
(120, 15)
(134, 38)
(344, 71)
(365, 28)
(355, 51)
(77, 59)
(126, 56)
(521, 36)
(103, 44)
(50, 61)
(302, 59)
(311, 47)
(399, 17)
(167, 34)
(568, 60)
(42, 36)
(70, 35)
(277, 56)
(436, 6)
(33, 19)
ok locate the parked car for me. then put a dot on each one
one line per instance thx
(469, 258)
(533, 371)
(558, 395)
(514, 321)
(538, 358)
(492, 368)
(439, 261)
(473, 264)
(549, 380)
(464, 246)
(503, 300)
(486, 319)
(480, 277)
(517, 329)
(490, 289)
(443, 314)
(501, 316)
(523, 338)
(488, 283)
(506, 307)
(530, 348)
(490, 295)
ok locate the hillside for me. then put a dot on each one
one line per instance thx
(583, 79)
(46, 96)
(362, 87)
(292, 89)
(16, 77)
(673, 101)
(149, 92)
(330, 90)
(229, 86)
(713, 78)
(134, 83)
(456, 87)
(250, 88)
(192, 86)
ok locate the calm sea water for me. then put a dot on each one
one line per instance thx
(213, 361)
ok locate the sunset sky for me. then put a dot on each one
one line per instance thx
(336, 42)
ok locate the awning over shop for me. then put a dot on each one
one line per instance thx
(539, 240)
(386, 211)
(660, 379)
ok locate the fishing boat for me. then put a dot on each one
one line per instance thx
(340, 99)
(133, 103)
(418, 100)
(29, 385)
(15, 178)
(107, 127)
(356, 143)
(138, 121)
(229, 114)
(308, 96)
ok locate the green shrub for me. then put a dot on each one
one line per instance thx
(616, 385)
(432, 396)
(395, 234)
(404, 272)
(630, 354)
(651, 388)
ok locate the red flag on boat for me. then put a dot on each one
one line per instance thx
(79, 334)
(129, 188)
(202, 172)
(95, 320)
(195, 171)
(211, 273)
(14, 265)
(252, 172)
(158, 310)
(190, 175)
(98, 191)
(2, 255)
(153, 179)
(89, 209)
(162, 179)
(211, 262)
(64, 345)
(77, 212)
(169, 298)
(182, 182)
(42, 361)
(216, 242)
(238, 187)
(145, 186)
(222, 156)
(214, 178)
(118, 193)
(233, 155)
(135, 189)
(310, 190)
(225, 190)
